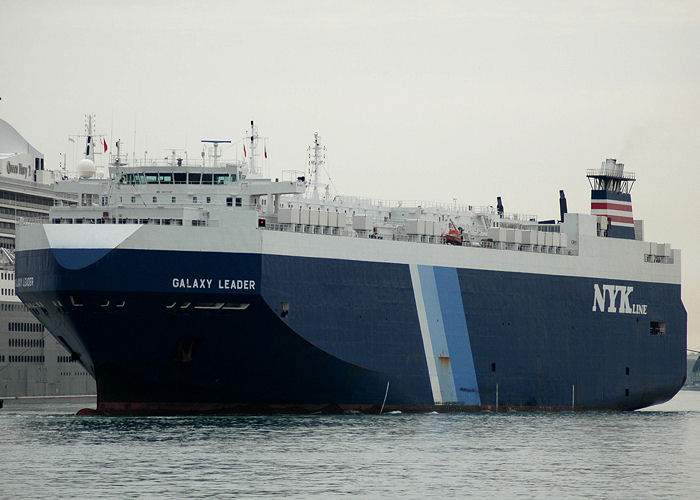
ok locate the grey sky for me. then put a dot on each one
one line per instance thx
(414, 100)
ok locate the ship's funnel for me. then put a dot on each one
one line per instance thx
(611, 200)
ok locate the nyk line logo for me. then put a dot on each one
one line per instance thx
(610, 294)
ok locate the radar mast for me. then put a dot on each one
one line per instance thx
(317, 158)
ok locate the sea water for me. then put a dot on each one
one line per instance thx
(48, 451)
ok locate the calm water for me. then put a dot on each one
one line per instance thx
(46, 451)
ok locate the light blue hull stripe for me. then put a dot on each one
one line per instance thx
(457, 335)
(438, 339)
(449, 335)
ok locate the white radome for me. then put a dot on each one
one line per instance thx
(86, 168)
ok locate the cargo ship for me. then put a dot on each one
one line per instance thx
(203, 287)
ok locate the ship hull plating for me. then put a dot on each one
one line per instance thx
(195, 332)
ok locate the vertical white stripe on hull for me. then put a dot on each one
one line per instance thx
(425, 334)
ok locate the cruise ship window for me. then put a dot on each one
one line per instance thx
(173, 199)
(133, 199)
(233, 177)
(208, 199)
(239, 202)
(152, 178)
(194, 178)
(229, 201)
(220, 178)
(206, 178)
(166, 178)
(194, 199)
(155, 199)
(180, 178)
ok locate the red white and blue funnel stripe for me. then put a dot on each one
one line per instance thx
(617, 207)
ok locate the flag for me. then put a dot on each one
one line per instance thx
(104, 143)
(266, 151)
(70, 139)
(245, 153)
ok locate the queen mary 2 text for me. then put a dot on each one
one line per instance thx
(212, 284)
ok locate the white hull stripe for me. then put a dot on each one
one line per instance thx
(425, 334)
(608, 258)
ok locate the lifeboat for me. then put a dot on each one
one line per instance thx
(453, 236)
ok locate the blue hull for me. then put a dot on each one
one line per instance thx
(303, 334)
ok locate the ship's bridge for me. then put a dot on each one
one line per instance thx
(180, 194)
(179, 178)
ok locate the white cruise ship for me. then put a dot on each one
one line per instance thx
(32, 362)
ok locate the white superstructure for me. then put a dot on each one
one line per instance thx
(209, 203)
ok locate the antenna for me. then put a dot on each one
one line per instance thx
(250, 144)
(317, 158)
(252, 168)
(89, 146)
(117, 159)
(216, 154)
(174, 158)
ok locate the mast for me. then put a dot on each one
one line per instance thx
(216, 154)
(252, 140)
(86, 165)
(317, 158)
(89, 143)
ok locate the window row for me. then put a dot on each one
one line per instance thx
(17, 326)
(13, 307)
(8, 243)
(26, 359)
(124, 220)
(25, 342)
(177, 178)
(173, 199)
(25, 198)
